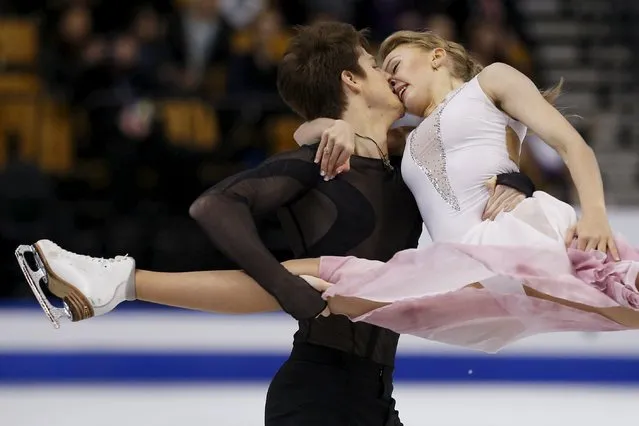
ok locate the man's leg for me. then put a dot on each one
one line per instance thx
(323, 386)
(309, 393)
(372, 399)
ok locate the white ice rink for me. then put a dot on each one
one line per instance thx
(154, 367)
(241, 405)
(561, 380)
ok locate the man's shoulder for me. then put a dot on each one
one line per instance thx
(304, 153)
(298, 163)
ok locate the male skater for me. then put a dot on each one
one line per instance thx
(339, 372)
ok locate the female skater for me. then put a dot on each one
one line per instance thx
(483, 284)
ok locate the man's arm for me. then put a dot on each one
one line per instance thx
(517, 181)
(507, 191)
(226, 213)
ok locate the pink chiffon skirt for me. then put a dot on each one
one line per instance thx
(427, 288)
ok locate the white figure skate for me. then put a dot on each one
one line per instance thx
(88, 286)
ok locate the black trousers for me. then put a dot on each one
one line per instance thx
(320, 386)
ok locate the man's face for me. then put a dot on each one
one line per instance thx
(376, 88)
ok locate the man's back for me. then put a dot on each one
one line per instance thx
(339, 372)
(369, 213)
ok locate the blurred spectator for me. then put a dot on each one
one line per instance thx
(414, 13)
(501, 13)
(131, 79)
(123, 122)
(257, 52)
(241, 13)
(117, 80)
(112, 17)
(115, 62)
(411, 20)
(499, 27)
(337, 10)
(199, 39)
(150, 31)
(443, 25)
(490, 42)
(70, 52)
(293, 11)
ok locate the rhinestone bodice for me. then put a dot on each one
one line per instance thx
(427, 151)
(450, 156)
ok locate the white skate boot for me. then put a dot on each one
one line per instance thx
(87, 285)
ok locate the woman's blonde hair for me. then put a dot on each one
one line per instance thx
(463, 65)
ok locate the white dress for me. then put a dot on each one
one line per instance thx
(447, 160)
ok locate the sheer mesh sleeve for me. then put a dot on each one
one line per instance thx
(226, 212)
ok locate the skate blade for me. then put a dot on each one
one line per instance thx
(34, 277)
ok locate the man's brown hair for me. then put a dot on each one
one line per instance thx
(309, 74)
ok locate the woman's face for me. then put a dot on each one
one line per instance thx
(411, 73)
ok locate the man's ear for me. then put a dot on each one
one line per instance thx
(351, 81)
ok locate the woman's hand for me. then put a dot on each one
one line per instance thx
(321, 286)
(593, 232)
(336, 146)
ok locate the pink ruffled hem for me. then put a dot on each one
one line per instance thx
(615, 279)
(427, 294)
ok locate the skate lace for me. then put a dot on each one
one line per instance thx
(100, 260)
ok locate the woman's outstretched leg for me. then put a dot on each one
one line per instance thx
(234, 292)
(93, 287)
(225, 292)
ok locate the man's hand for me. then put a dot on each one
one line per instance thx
(502, 199)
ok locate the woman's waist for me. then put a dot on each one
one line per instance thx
(540, 216)
(449, 223)
(450, 228)
(542, 212)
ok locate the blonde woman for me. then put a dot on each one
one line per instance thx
(483, 284)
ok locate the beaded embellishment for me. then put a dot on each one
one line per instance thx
(427, 151)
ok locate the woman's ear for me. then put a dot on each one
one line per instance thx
(438, 56)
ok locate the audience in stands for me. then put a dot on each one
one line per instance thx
(166, 97)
